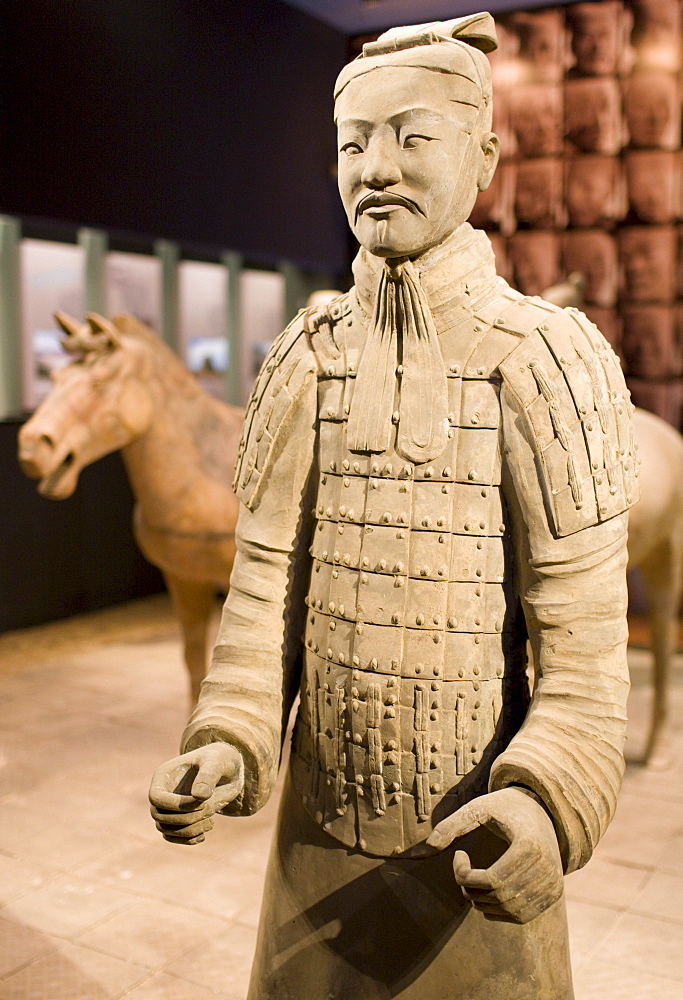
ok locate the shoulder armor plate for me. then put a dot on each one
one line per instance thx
(568, 382)
(283, 379)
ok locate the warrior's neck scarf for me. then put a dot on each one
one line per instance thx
(402, 356)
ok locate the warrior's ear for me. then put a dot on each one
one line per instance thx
(102, 328)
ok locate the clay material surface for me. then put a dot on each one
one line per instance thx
(434, 470)
(126, 390)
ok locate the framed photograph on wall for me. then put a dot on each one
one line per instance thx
(262, 310)
(133, 285)
(202, 306)
(52, 279)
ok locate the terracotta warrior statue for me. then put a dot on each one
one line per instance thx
(433, 470)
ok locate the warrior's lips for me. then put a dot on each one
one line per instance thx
(381, 200)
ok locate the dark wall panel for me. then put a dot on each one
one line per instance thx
(207, 122)
(59, 558)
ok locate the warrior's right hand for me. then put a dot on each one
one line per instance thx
(186, 791)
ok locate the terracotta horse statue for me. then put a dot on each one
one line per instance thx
(125, 389)
(655, 547)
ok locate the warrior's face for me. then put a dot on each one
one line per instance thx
(412, 157)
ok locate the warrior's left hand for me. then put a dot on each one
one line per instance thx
(527, 878)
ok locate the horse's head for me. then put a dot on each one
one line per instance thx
(99, 403)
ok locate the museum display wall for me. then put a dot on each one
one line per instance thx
(587, 103)
(151, 121)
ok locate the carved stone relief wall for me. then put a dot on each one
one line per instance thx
(587, 103)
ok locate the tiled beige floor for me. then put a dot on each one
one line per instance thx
(95, 906)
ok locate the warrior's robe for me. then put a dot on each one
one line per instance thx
(398, 596)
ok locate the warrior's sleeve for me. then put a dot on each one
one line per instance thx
(571, 475)
(247, 695)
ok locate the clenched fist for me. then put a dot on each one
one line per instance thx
(527, 878)
(186, 791)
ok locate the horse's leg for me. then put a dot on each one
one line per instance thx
(662, 576)
(192, 603)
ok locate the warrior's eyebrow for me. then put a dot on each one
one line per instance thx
(427, 114)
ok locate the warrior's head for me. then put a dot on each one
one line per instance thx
(413, 114)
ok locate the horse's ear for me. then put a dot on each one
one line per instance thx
(99, 325)
(68, 324)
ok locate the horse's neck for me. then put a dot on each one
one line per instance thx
(182, 452)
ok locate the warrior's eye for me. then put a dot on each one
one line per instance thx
(351, 148)
(413, 141)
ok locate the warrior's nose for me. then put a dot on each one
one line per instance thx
(381, 168)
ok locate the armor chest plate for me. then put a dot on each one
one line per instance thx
(414, 658)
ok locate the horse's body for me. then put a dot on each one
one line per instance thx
(126, 389)
(655, 547)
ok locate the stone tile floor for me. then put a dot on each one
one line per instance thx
(94, 905)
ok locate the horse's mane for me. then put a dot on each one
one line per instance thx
(130, 326)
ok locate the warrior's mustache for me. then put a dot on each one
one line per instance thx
(376, 199)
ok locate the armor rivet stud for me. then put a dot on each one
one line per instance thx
(419, 668)
(482, 525)
(400, 518)
(382, 564)
(477, 640)
(332, 625)
(352, 515)
(347, 481)
(345, 464)
(374, 485)
(398, 568)
(365, 561)
(340, 529)
(390, 713)
(342, 511)
(346, 409)
(364, 578)
(386, 517)
(342, 609)
(399, 370)
(477, 621)
(324, 555)
(461, 673)
(420, 620)
(330, 411)
(589, 427)
(499, 626)
(356, 466)
(388, 469)
(331, 370)
(356, 662)
(426, 521)
(424, 571)
(441, 571)
(440, 521)
(359, 629)
(429, 472)
(544, 327)
(355, 706)
(407, 469)
(474, 716)
(475, 670)
(480, 544)
(329, 654)
(468, 526)
(328, 512)
(478, 572)
(398, 582)
(480, 370)
(433, 716)
(347, 559)
(472, 474)
(445, 488)
(395, 417)
(452, 622)
(336, 556)
(375, 468)
(400, 535)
